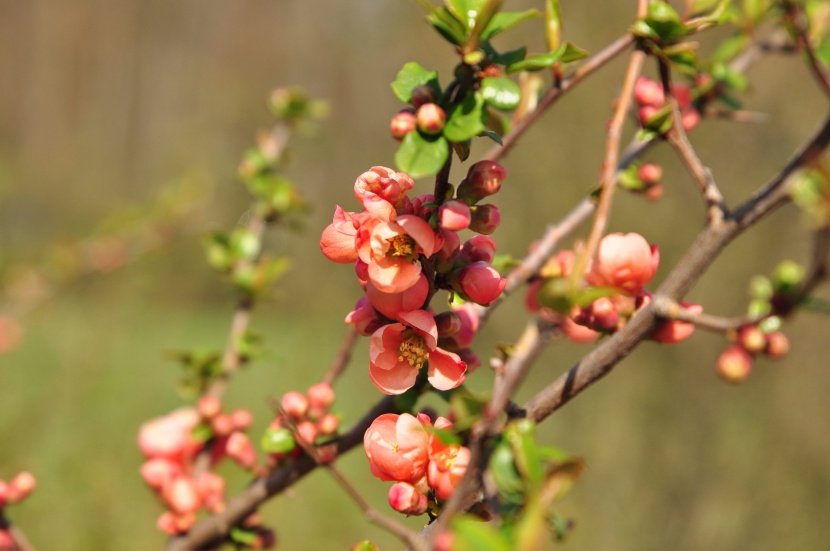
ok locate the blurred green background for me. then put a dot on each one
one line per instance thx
(104, 104)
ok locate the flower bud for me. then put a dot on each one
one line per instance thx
(265, 538)
(752, 339)
(430, 119)
(690, 118)
(604, 314)
(654, 192)
(422, 95)
(20, 487)
(175, 524)
(650, 173)
(295, 405)
(158, 472)
(7, 542)
(182, 496)
(778, 345)
(483, 179)
(222, 425)
(734, 364)
(646, 113)
(454, 215)
(448, 323)
(402, 124)
(648, 92)
(307, 431)
(486, 218)
(320, 396)
(479, 248)
(328, 424)
(211, 487)
(240, 449)
(209, 407)
(241, 419)
(481, 283)
(404, 498)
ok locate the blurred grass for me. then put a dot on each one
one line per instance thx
(100, 105)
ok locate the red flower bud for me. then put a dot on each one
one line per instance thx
(327, 425)
(430, 119)
(20, 487)
(752, 339)
(650, 173)
(404, 498)
(778, 345)
(209, 407)
(295, 405)
(448, 323)
(402, 124)
(486, 218)
(454, 215)
(483, 179)
(320, 396)
(422, 95)
(241, 419)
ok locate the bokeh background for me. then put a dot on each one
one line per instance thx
(104, 105)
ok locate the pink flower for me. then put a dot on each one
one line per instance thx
(182, 495)
(399, 350)
(447, 463)
(397, 448)
(391, 251)
(338, 240)
(158, 472)
(481, 282)
(392, 304)
(384, 183)
(404, 498)
(170, 436)
(239, 448)
(625, 262)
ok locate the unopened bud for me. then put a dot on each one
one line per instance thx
(486, 218)
(778, 345)
(265, 538)
(650, 173)
(328, 424)
(295, 405)
(480, 248)
(454, 215)
(605, 315)
(20, 487)
(734, 364)
(648, 92)
(402, 124)
(240, 449)
(654, 192)
(307, 432)
(422, 95)
(7, 542)
(182, 495)
(431, 119)
(222, 425)
(320, 396)
(209, 407)
(483, 179)
(752, 339)
(448, 323)
(241, 419)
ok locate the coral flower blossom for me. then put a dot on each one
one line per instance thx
(447, 462)
(399, 350)
(391, 251)
(338, 239)
(624, 261)
(397, 448)
(385, 183)
(170, 436)
(392, 304)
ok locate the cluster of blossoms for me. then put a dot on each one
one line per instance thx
(174, 443)
(651, 100)
(11, 493)
(623, 266)
(735, 363)
(410, 451)
(390, 242)
(304, 417)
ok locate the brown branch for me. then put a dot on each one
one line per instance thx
(735, 115)
(797, 18)
(591, 66)
(710, 242)
(608, 179)
(667, 308)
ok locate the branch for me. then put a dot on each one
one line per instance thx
(798, 21)
(710, 242)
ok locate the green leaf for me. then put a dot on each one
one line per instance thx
(466, 11)
(566, 53)
(277, 441)
(684, 60)
(474, 535)
(823, 52)
(512, 56)
(493, 136)
(364, 545)
(521, 435)
(731, 47)
(466, 119)
(412, 76)
(502, 93)
(503, 470)
(419, 157)
(446, 24)
(664, 21)
(245, 243)
(462, 149)
(504, 21)
(630, 179)
(755, 9)
(467, 406)
(202, 432)
(243, 536)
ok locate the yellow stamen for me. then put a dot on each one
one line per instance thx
(402, 246)
(413, 350)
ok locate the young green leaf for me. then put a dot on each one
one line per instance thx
(412, 76)
(504, 21)
(466, 119)
(420, 157)
(502, 93)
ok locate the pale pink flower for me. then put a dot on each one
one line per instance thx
(399, 350)
(158, 472)
(397, 448)
(211, 488)
(391, 250)
(382, 182)
(170, 436)
(624, 261)
(404, 498)
(174, 524)
(392, 304)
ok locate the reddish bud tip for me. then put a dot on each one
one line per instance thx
(483, 179)
(423, 95)
(448, 323)
(752, 339)
(650, 173)
(209, 407)
(402, 124)
(430, 118)
(778, 345)
(486, 218)
(404, 498)
(454, 215)
(20, 487)
(295, 405)
(320, 396)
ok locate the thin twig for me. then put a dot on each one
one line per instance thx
(798, 21)
(735, 115)
(667, 308)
